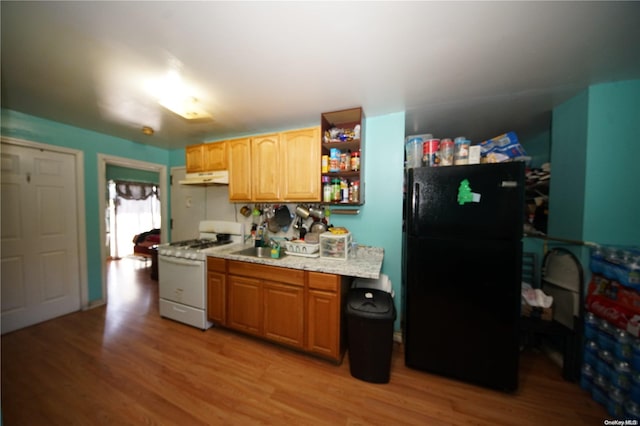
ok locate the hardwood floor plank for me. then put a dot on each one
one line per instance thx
(122, 364)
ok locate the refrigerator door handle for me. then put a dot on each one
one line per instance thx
(415, 202)
(509, 184)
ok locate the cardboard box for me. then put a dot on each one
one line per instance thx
(545, 314)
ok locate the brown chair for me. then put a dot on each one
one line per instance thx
(562, 277)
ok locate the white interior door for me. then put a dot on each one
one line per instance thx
(40, 267)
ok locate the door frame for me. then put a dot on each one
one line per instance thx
(161, 169)
(81, 230)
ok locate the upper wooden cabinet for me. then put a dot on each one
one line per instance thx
(195, 158)
(215, 156)
(276, 167)
(206, 157)
(301, 164)
(240, 175)
(266, 164)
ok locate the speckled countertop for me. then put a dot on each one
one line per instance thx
(366, 264)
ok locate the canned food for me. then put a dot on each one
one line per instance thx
(430, 156)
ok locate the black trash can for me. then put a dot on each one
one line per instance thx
(370, 317)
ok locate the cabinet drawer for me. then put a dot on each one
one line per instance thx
(265, 272)
(184, 314)
(322, 281)
(215, 264)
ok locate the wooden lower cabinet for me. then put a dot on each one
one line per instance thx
(325, 322)
(302, 310)
(216, 290)
(283, 313)
(244, 304)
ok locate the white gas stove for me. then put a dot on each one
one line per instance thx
(182, 271)
(213, 234)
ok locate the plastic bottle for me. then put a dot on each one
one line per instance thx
(446, 152)
(414, 152)
(461, 151)
(327, 189)
(344, 191)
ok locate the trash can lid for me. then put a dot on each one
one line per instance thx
(370, 303)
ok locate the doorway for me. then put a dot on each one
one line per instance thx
(133, 211)
(103, 162)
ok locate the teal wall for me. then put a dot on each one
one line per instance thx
(22, 126)
(594, 170)
(379, 223)
(612, 203)
(177, 158)
(538, 148)
(568, 154)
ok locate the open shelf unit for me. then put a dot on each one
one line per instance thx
(346, 119)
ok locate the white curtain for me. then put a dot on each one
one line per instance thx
(135, 209)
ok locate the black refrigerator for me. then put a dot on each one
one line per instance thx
(462, 272)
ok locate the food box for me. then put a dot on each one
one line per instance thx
(335, 246)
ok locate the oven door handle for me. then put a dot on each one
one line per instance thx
(180, 261)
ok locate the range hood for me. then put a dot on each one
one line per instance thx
(218, 177)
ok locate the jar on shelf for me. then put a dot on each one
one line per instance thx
(345, 161)
(355, 161)
(334, 160)
(354, 191)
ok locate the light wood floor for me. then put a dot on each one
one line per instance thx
(122, 364)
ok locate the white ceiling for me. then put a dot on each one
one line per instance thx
(476, 69)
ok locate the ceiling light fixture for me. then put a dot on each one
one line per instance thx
(175, 96)
(186, 107)
(147, 130)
